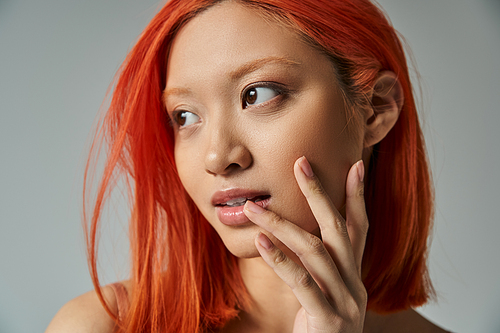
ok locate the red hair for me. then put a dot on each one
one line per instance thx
(183, 277)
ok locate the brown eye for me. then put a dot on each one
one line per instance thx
(251, 96)
(258, 95)
(185, 118)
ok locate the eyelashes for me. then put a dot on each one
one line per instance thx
(184, 118)
(254, 95)
(260, 93)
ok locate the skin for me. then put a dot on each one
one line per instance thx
(299, 283)
(293, 144)
(229, 146)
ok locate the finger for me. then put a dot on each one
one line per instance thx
(332, 224)
(296, 277)
(300, 323)
(309, 248)
(357, 220)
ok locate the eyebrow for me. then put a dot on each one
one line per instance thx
(256, 64)
(243, 70)
(175, 91)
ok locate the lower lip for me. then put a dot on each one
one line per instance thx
(234, 215)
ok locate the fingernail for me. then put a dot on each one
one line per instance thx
(254, 208)
(306, 167)
(361, 170)
(264, 241)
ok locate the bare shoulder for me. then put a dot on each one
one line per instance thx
(85, 313)
(404, 321)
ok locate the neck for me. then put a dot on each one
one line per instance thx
(274, 305)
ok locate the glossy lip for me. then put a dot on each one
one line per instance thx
(232, 216)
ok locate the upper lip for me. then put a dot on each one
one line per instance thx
(223, 196)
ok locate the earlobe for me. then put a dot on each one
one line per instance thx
(387, 101)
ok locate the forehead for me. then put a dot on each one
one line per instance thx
(230, 34)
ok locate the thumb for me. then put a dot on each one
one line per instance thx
(300, 324)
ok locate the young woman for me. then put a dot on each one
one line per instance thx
(247, 127)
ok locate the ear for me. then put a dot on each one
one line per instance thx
(387, 100)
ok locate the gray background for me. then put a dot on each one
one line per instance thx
(57, 58)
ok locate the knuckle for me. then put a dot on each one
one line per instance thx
(358, 193)
(353, 312)
(365, 226)
(362, 295)
(279, 258)
(340, 224)
(275, 219)
(315, 245)
(350, 316)
(304, 280)
(340, 325)
(316, 189)
(362, 227)
(361, 192)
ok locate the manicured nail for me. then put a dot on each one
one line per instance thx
(306, 167)
(361, 170)
(254, 208)
(264, 241)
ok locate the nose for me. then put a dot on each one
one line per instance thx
(226, 152)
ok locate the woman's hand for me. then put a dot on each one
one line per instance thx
(329, 289)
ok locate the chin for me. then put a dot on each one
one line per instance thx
(242, 245)
(240, 241)
(242, 253)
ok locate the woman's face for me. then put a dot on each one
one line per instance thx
(248, 97)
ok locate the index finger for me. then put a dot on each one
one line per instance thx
(332, 224)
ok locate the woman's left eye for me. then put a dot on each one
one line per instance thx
(258, 95)
(185, 118)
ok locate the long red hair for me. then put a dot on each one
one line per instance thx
(183, 278)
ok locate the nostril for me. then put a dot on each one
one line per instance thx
(233, 166)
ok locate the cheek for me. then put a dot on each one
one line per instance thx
(327, 151)
(188, 168)
(181, 163)
(321, 136)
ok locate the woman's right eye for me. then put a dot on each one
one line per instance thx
(185, 118)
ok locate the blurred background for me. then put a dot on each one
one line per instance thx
(57, 59)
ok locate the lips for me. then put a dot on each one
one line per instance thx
(232, 197)
(229, 204)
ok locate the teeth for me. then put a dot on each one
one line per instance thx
(236, 202)
(241, 201)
